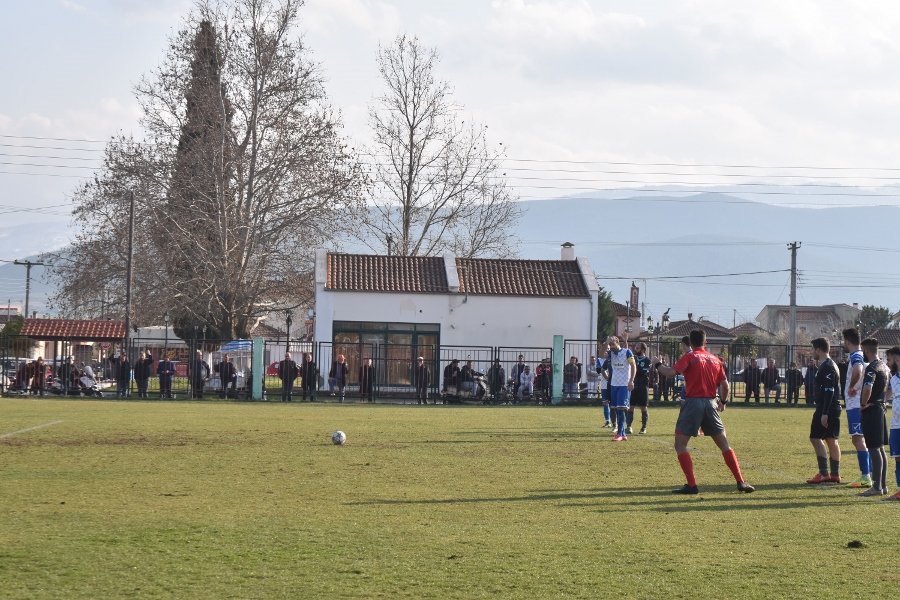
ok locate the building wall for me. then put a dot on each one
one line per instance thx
(472, 321)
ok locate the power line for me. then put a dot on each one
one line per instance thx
(51, 139)
(664, 277)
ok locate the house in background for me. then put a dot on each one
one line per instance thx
(753, 330)
(813, 321)
(406, 306)
(628, 321)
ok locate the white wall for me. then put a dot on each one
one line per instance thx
(476, 321)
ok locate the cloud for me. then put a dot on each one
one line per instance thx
(71, 5)
(559, 21)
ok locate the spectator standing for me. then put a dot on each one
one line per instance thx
(496, 377)
(122, 372)
(571, 377)
(199, 375)
(592, 377)
(772, 381)
(752, 378)
(309, 377)
(809, 382)
(451, 378)
(165, 370)
(544, 380)
(142, 370)
(38, 376)
(367, 381)
(793, 381)
(287, 373)
(516, 374)
(227, 376)
(422, 380)
(338, 373)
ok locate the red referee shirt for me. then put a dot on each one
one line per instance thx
(703, 372)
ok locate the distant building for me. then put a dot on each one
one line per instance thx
(887, 338)
(751, 329)
(628, 321)
(814, 321)
(7, 313)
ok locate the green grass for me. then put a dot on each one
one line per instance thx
(227, 500)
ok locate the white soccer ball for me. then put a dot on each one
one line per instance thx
(338, 438)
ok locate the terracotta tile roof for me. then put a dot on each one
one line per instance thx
(501, 277)
(887, 337)
(712, 330)
(370, 273)
(622, 310)
(750, 329)
(71, 329)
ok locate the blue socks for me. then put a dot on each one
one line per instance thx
(606, 412)
(623, 423)
(865, 462)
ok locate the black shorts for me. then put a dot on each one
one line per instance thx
(874, 427)
(639, 396)
(833, 431)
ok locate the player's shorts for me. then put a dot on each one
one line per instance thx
(874, 427)
(854, 422)
(639, 396)
(618, 396)
(697, 413)
(833, 431)
(895, 443)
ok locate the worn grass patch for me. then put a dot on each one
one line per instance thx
(162, 500)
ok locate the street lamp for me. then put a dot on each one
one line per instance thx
(289, 321)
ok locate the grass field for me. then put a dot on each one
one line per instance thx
(226, 500)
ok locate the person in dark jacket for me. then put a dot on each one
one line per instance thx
(367, 381)
(143, 368)
(467, 378)
(38, 376)
(752, 378)
(165, 370)
(309, 375)
(516, 374)
(227, 377)
(199, 375)
(339, 374)
(287, 373)
(451, 377)
(772, 381)
(122, 373)
(496, 378)
(793, 379)
(809, 382)
(571, 378)
(422, 380)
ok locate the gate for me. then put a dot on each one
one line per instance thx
(509, 357)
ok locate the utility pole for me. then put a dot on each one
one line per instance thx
(792, 333)
(733, 318)
(128, 267)
(28, 264)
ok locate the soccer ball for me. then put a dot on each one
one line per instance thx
(338, 438)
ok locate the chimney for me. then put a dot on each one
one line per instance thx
(567, 251)
(690, 316)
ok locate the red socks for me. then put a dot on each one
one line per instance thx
(732, 462)
(687, 465)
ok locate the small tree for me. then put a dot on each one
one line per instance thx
(606, 315)
(437, 185)
(873, 318)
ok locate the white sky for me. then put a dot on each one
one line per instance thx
(769, 82)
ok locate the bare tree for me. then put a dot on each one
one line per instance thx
(242, 173)
(436, 183)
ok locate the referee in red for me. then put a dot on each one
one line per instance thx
(704, 376)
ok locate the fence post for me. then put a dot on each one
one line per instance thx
(559, 352)
(259, 368)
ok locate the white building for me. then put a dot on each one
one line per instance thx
(413, 306)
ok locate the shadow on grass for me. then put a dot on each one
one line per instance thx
(640, 494)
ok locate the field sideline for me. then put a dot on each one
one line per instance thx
(105, 499)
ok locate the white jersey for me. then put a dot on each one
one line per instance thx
(895, 401)
(621, 366)
(856, 358)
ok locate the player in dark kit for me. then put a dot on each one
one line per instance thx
(826, 421)
(641, 383)
(704, 377)
(874, 426)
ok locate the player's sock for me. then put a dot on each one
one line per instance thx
(733, 464)
(630, 418)
(865, 462)
(835, 467)
(606, 412)
(823, 465)
(876, 467)
(687, 465)
(623, 423)
(644, 417)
